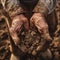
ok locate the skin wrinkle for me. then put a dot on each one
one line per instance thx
(17, 25)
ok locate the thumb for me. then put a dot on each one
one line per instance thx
(26, 25)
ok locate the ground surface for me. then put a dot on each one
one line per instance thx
(4, 40)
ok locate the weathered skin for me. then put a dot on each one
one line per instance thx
(18, 22)
(36, 21)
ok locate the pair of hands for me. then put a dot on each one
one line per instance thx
(20, 21)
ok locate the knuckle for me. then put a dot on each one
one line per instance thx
(24, 20)
(45, 26)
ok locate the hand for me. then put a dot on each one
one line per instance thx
(17, 25)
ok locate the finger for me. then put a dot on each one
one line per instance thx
(40, 24)
(34, 52)
(15, 29)
(32, 23)
(26, 24)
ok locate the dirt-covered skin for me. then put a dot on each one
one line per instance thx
(4, 40)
